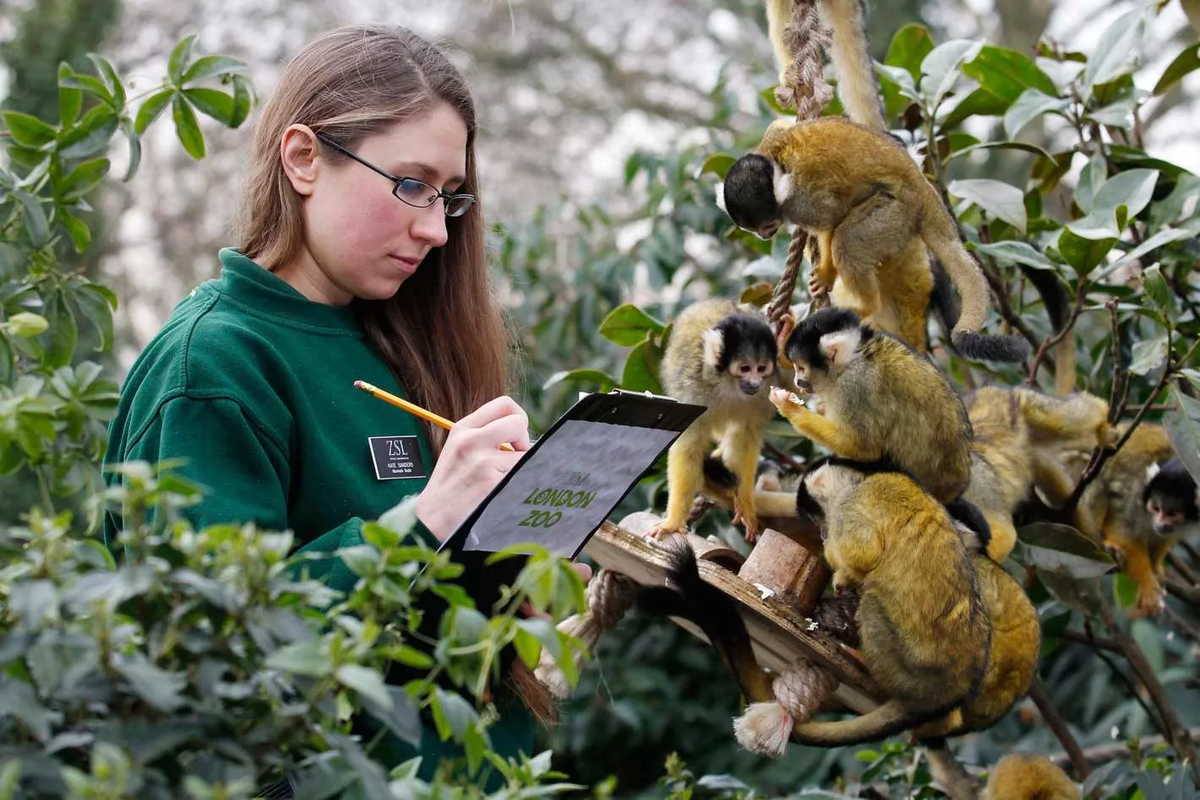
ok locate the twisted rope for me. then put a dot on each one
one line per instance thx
(766, 727)
(609, 596)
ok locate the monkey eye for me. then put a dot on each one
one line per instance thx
(762, 368)
(1152, 506)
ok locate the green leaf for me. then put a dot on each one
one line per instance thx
(367, 682)
(243, 98)
(208, 66)
(1120, 198)
(980, 102)
(91, 135)
(1117, 51)
(626, 325)
(1184, 63)
(187, 128)
(1118, 114)
(135, 148)
(17, 699)
(603, 381)
(60, 341)
(1148, 355)
(1044, 158)
(1091, 178)
(28, 130)
(1156, 288)
(1001, 200)
(1083, 254)
(1183, 429)
(10, 774)
(151, 107)
(177, 61)
(451, 714)
(1014, 252)
(529, 649)
(1032, 103)
(1149, 638)
(36, 224)
(641, 369)
(940, 68)
(718, 164)
(26, 324)
(908, 49)
(301, 658)
(1124, 590)
(113, 81)
(84, 178)
(159, 688)
(70, 100)
(1006, 74)
(211, 102)
(1060, 548)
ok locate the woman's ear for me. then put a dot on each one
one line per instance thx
(298, 151)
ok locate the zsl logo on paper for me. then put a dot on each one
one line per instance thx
(396, 457)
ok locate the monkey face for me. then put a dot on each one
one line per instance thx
(752, 375)
(1167, 514)
(1171, 497)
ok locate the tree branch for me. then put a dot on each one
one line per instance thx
(1098, 754)
(1067, 328)
(1058, 726)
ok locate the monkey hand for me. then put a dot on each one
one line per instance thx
(817, 286)
(789, 404)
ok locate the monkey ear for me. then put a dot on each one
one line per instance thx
(1151, 471)
(714, 344)
(721, 197)
(840, 348)
(783, 184)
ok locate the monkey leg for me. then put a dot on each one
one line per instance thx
(873, 231)
(824, 273)
(1004, 535)
(838, 440)
(743, 445)
(1137, 565)
(685, 477)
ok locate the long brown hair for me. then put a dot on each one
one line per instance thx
(442, 334)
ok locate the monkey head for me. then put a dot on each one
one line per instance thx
(754, 191)
(742, 347)
(1171, 497)
(823, 344)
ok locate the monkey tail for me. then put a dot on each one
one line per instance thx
(1054, 297)
(714, 613)
(940, 235)
(856, 85)
(881, 722)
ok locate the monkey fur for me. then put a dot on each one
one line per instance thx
(1028, 776)
(870, 211)
(721, 355)
(1114, 507)
(1019, 437)
(882, 400)
(924, 642)
(1171, 499)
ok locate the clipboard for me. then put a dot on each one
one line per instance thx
(567, 484)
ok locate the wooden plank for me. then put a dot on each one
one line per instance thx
(779, 634)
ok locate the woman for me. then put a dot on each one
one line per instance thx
(360, 257)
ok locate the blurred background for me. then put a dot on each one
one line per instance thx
(596, 118)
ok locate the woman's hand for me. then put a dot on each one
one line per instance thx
(472, 463)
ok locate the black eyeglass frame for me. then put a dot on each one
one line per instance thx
(398, 180)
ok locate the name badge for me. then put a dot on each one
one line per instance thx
(396, 457)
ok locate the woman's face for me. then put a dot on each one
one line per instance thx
(360, 239)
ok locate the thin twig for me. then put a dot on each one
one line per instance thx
(1129, 682)
(1183, 625)
(1173, 728)
(1004, 306)
(1058, 726)
(1188, 594)
(783, 455)
(1176, 561)
(1080, 637)
(1102, 753)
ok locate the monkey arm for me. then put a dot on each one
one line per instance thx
(685, 477)
(822, 430)
(742, 446)
(1136, 562)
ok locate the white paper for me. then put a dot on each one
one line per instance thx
(565, 490)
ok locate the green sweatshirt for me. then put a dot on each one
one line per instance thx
(253, 384)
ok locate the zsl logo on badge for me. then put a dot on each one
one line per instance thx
(396, 457)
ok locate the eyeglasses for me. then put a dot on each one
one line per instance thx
(410, 190)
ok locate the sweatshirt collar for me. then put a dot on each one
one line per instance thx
(244, 280)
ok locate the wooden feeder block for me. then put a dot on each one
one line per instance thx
(776, 619)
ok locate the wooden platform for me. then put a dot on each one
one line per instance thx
(780, 634)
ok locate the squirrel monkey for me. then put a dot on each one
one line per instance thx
(924, 641)
(1014, 649)
(721, 355)
(882, 399)
(1019, 438)
(1028, 776)
(866, 203)
(1120, 505)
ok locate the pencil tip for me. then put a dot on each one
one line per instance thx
(358, 384)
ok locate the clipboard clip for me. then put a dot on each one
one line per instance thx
(647, 393)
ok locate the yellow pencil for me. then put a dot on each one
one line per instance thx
(413, 408)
